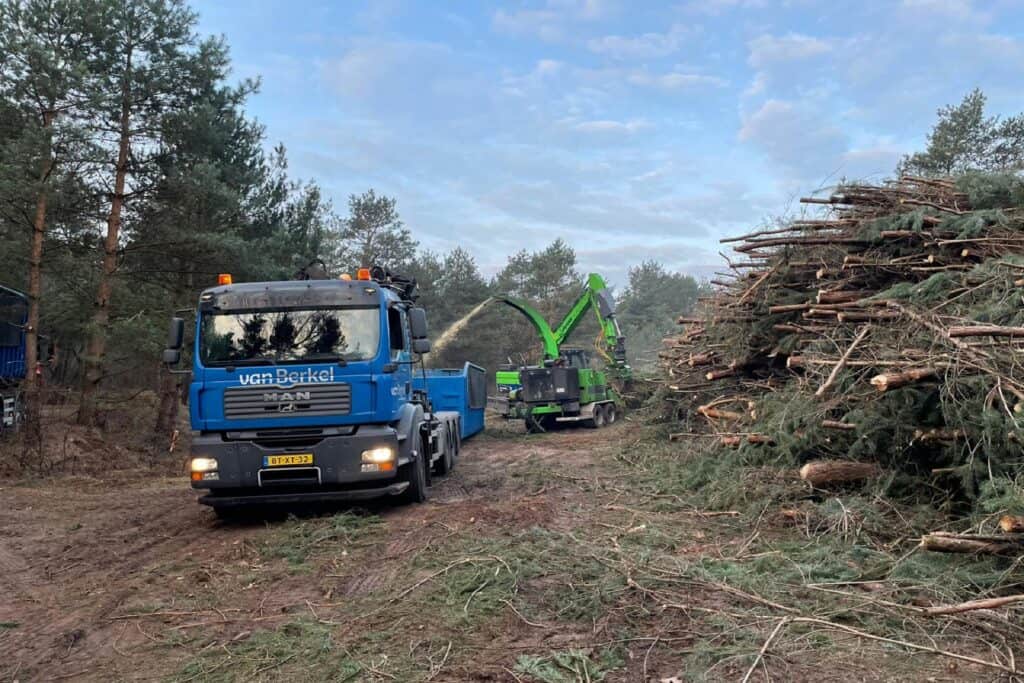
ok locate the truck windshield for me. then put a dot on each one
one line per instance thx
(292, 336)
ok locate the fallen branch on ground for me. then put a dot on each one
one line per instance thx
(945, 542)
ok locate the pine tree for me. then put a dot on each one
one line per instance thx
(965, 139)
(373, 234)
(48, 82)
(154, 66)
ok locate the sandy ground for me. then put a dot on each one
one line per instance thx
(126, 577)
(81, 555)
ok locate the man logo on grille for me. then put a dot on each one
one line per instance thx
(286, 396)
(286, 400)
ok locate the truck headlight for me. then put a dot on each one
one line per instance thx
(203, 464)
(379, 456)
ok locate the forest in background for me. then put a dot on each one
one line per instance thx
(132, 175)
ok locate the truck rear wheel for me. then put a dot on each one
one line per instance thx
(446, 462)
(415, 473)
(611, 413)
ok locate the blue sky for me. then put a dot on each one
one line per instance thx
(633, 130)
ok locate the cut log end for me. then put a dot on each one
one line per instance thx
(891, 380)
(1011, 524)
(821, 473)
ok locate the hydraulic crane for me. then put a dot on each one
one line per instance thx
(565, 388)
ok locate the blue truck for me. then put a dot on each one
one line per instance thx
(13, 317)
(314, 390)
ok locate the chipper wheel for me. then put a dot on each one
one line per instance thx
(598, 420)
(611, 413)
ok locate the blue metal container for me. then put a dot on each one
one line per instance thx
(13, 317)
(463, 391)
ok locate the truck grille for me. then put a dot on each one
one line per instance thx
(304, 400)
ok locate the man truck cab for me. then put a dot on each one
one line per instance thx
(306, 391)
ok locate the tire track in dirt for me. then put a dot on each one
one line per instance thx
(83, 551)
(115, 555)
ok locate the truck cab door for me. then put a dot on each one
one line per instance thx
(400, 345)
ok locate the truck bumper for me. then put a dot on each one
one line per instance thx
(226, 499)
(337, 462)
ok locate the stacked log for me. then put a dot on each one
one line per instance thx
(893, 319)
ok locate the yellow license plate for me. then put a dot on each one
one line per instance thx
(288, 460)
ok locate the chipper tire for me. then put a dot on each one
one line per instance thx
(598, 420)
(611, 413)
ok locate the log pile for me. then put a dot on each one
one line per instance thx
(887, 327)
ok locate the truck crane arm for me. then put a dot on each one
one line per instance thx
(595, 295)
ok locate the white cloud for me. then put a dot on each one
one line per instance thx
(546, 67)
(766, 50)
(551, 21)
(585, 9)
(955, 9)
(542, 23)
(674, 80)
(720, 6)
(609, 126)
(643, 46)
(872, 161)
(366, 65)
(803, 142)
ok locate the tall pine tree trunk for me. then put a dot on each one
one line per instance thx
(167, 412)
(170, 389)
(96, 348)
(33, 398)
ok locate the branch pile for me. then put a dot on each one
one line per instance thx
(887, 329)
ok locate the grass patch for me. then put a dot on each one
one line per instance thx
(570, 666)
(847, 555)
(297, 539)
(298, 650)
(544, 574)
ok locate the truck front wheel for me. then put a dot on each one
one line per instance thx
(230, 514)
(415, 473)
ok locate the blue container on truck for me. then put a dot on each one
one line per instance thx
(312, 390)
(457, 390)
(13, 318)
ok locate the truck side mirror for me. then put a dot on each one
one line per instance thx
(418, 323)
(176, 334)
(421, 346)
(175, 340)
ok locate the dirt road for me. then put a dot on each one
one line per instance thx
(125, 577)
(541, 558)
